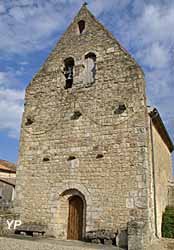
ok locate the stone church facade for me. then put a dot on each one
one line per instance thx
(92, 155)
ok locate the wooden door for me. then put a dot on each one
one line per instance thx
(75, 219)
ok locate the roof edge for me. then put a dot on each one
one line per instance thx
(11, 183)
(7, 170)
(7, 166)
(84, 7)
(110, 35)
(159, 125)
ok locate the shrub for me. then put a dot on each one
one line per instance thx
(168, 223)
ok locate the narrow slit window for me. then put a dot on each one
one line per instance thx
(81, 25)
(68, 72)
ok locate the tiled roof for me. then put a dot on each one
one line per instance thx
(7, 166)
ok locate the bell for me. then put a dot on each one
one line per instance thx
(70, 76)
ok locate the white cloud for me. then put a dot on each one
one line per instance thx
(28, 26)
(3, 77)
(11, 108)
(7, 78)
(11, 104)
(152, 38)
(155, 56)
(157, 36)
(149, 34)
(11, 95)
(102, 6)
(146, 29)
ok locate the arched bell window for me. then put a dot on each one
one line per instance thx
(68, 72)
(90, 65)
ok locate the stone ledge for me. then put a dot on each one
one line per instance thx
(31, 228)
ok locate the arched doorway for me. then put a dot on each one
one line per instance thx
(75, 218)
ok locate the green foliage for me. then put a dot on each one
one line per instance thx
(168, 223)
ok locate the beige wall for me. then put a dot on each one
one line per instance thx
(7, 175)
(162, 173)
(171, 193)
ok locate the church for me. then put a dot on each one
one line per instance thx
(94, 159)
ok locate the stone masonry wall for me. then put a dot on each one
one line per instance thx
(110, 148)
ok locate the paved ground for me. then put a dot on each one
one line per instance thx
(21, 243)
(162, 244)
(29, 243)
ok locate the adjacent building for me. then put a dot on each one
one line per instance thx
(7, 184)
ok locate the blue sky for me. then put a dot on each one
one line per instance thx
(29, 29)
